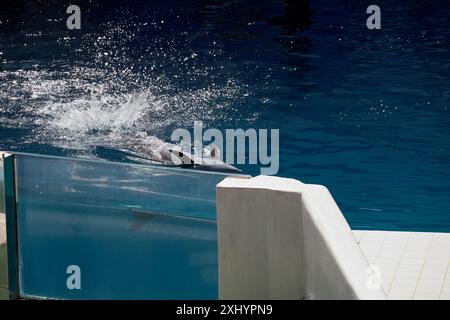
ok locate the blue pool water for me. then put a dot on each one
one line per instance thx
(362, 112)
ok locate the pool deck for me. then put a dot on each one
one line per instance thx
(413, 265)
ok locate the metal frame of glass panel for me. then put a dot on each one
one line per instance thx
(2, 184)
(4, 291)
(9, 189)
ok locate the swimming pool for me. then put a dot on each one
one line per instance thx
(362, 112)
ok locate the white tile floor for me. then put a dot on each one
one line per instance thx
(414, 265)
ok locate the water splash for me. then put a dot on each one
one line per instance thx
(104, 96)
(106, 113)
(82, 113)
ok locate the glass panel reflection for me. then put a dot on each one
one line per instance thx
(135, 232)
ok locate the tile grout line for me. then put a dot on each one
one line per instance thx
(398, 265)
(424, 262)
(376, 258)
(361, 238)
(447, 276)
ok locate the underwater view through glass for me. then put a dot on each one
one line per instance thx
(363, 112)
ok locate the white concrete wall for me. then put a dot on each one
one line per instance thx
(282, 239)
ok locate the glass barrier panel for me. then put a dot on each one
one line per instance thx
(101, 230)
